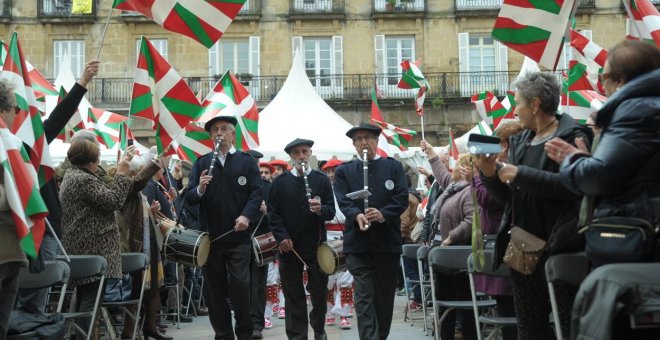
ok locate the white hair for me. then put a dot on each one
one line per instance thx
(136, 164)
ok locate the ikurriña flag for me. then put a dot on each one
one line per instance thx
(203, 20)
(397, 136)
(645, 23)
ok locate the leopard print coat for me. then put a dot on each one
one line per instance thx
(88, 219)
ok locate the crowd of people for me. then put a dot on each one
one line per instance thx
(552, 177)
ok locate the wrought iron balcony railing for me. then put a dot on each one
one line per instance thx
(399, 6)
(486, 5)
(447, 85)
(5, 9)
(63, 9)
(316, 6)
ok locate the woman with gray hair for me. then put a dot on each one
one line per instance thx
(536, 201)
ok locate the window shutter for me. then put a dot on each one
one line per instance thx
(296, 43)
(338, 64)
(464, 63)
(213, 59)
(379, 44)
(255, 60)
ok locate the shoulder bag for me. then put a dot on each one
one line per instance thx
(524, 249)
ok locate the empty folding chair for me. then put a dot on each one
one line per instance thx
(82, 267)
(502, 271)
(570, 269)
(410, 253)
(130, 263)
(55, 273)
(450, 260)
(424, 282)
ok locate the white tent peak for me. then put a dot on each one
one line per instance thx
(299, 112)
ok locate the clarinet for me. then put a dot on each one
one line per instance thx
(365, 177)
(216, 150)
(308, 190)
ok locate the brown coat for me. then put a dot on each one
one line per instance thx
(88, 218)
(409, 219)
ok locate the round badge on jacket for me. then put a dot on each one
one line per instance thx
(389, 184)
(242, 180)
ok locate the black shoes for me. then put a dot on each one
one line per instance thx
(257, 334)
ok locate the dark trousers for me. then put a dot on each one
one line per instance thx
(34, 300)
(291, 276)
(411, 271)
(227, 274)
(532, 303)
(86, 296)
(258, 285)
(455, 287)
(8, 291)
(505, 309)
(375, 281)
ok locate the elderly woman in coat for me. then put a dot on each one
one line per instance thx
(88, 219)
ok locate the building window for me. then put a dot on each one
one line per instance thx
(318, 60)
(71, 50)
(482, 54)
(482, 64)
(159, 44)
(232, 54)
(396, 50)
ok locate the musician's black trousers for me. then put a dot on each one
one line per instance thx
(291, 275)
(258, 282)
(227, 275)
(375, 280)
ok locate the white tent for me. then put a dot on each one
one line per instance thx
(299, 112)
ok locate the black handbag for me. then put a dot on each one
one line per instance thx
(617, 239)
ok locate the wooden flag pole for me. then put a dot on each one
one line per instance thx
(105, 29)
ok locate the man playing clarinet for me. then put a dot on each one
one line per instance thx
(227, 185)
(372, 238)
(300, 201)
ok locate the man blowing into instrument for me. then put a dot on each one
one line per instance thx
(372, 238)
(229, 199)
(297, 218)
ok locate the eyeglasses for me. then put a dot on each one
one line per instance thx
(602, 77)
(363, 139)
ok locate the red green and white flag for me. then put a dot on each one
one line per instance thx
(583, 74)
(452, 150)
(645, 24)
(396, 136)
(490, 109)
(376, 112)
(535, 28)
(581, 104)
(509, 103)
(124, 135)
(384, 148)
(412, 77)
(230, 98)
(193, 143)
(3, 52)
(588, 48)
(162, 96)
(41, 86)
(28, 209)
(203, 20)
(27, 125)
(106, 125)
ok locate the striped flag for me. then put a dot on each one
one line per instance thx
(106, 125)
(583, 74)
(162, 96)
(490, 109)
(124, 135)
(41, 87)
(453, 150)
(193, 143)
(376, 112)
(412, 77)
(203, 20)
(28, 209)
(582, 103)
(397, 136)
(27, 125)
(645, 24)
(230, 98)
(588, 48)
(384, 148)
(535, 28)
(509, 103)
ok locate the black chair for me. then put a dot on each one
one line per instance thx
(502, 271)
(409, 252)
(570, 269)
(450, 259)
(55, 273)
(130, 263)
(82, 267)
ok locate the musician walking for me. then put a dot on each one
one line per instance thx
(229, 198)
(300, 201)
(372, 238)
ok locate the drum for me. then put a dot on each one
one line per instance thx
(187, 246)
(330, 256)
(265, 248)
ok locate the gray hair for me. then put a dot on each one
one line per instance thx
(136, 164)
(6, 94)
(84, 134)
(541, 85)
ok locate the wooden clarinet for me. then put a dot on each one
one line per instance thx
(365, 177)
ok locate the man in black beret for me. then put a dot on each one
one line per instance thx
(372, 238)
(229, 201)
(300, 201)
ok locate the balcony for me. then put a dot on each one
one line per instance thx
(492, 7)
(116, 92)
(251, 10)
(61, 11)
(5, 10)
(399, 8)
(316, 9)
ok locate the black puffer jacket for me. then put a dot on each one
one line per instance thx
(545, 192)
(625, 168)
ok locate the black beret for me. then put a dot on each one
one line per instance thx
(364, 127)
(296, 142)
(254, 153)
(230, 119)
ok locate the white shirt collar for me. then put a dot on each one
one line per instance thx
(375, 158)
(294, 171)
(232, 150)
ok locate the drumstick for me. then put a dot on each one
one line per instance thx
(223, 235)
(300, 258)
(258, 224)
